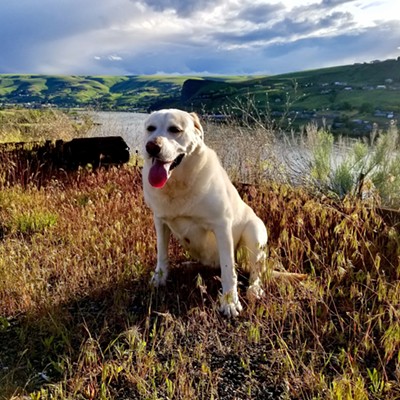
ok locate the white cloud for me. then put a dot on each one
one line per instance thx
(188, 36)
(114, 58)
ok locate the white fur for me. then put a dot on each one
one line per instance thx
(200, 206)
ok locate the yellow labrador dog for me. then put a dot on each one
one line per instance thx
(192, 197)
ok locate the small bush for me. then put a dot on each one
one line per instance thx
(358, 168)
(32, 222)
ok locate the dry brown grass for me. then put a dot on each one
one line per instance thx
(249, 154)
(23, 125)
(78, 319)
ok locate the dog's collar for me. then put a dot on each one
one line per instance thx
(177, 161)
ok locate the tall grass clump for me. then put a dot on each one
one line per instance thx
(246, 141)
(367, 168)
(32, 125)
(27, 138)
(244, 152)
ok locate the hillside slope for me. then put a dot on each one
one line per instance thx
(377, 83)
(349, 98)
(357, 94)
(102, 92)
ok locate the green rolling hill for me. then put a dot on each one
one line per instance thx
(357, 94)
(352, 95)
(102, 92)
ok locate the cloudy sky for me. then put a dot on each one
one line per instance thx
(120, 37)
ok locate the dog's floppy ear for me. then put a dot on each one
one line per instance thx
(197, 125)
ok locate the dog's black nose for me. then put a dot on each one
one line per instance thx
(153, 148)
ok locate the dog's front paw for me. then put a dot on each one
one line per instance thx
(159, 278)
(255, 292)
(230, 305)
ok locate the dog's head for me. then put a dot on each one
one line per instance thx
(170, 136)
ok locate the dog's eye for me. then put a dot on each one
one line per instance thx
(174, 129)
(151, 128)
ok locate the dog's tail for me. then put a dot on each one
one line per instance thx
(291, 277)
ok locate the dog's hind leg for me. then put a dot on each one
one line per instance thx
(255, 239)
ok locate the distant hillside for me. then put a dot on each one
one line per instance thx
(377, 82)
(354, 96)
(100, 92)
(103, 92)
(350, 98)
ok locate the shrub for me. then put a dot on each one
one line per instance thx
(367, 169)
(33, 222)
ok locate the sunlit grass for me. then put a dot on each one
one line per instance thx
(79, 320)
(22, 125)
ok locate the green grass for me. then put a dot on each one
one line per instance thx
(306, 91)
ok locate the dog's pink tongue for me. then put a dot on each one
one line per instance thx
(158, 174)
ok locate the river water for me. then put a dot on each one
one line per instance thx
(241, 152)
(125, 124)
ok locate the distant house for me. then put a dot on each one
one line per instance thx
(381, 87)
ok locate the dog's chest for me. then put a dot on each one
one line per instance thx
(187, 226)
(196, 236)
(170, 204)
